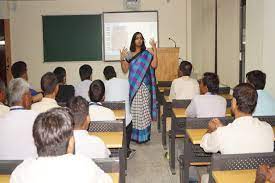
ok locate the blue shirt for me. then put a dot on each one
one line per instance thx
(265, 104)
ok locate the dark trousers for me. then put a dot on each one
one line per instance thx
(128, 134)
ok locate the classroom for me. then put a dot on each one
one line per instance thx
(137, 91)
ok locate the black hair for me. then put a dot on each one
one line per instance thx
(85, 72)
(18, 69)
(257, 78)
(52, 131)
(246, 97)
(133, 45)
(80, 109)
(60, 74)
(211, 80)
(48, 83)
(97, 91)
(109, 72)
(186, 68)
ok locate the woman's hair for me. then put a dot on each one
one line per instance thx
(133, 45)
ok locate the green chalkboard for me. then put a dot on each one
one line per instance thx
(72, 38)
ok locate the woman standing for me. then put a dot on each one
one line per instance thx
(141, 64)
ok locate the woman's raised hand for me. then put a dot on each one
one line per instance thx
(153, 43)
(123, 53)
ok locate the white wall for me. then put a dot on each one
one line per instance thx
(26, 31)
(203, 36)
(260, 39)
(4, 9)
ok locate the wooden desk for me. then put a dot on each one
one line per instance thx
(120, 114)
(161, 89)
(180, 112)
(196, 135)
(6, 178)
(111, 139)
(236, 176)
(115, 177)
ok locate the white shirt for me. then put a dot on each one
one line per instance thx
(203, 106)
(244, 135)
(16, 140)
(82, 89)
(100, 113)
(3, 109)
(184, 88)
(90, 145)
(67, 168)
(118, 90)
(44, 105)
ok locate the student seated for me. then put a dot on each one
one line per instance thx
(184, 87)
(53, 137)
(49, 87)
(96, 110)
(209, 103)
(65, 92)
(264, 174)
(245, 134)
(19, 70)
(3, 95)
(266, 104)
(117, 89)
(85, 144)
(16, 142)
(82, 88)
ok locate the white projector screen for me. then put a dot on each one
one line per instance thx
(119, 28)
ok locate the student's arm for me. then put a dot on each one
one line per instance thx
(211, 142)
(191, 109)
(154, 62)
(172, 91)
(37, 98)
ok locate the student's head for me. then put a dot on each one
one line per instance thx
(3, 92)
(60, 74)
(80, 111)
(19, 70)
(209, 83)
(109, 72)
(97, 91)
(19, 93)
(49, 84)
(244, 99)
(137, 42)
(257, 78)
(85, 72)
(53, 132)
(185, 68)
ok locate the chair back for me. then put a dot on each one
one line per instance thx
(106, 126)
(202, 123)
(221, 162)
(114, 105)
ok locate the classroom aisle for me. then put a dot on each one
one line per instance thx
(149, 164)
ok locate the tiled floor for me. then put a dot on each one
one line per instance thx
(149, 164)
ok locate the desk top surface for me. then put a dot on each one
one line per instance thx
(180, 112)
(120, 114)
(196, 135)
(6, 178)
(226, 96)
(236, 176)
(111, 139)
